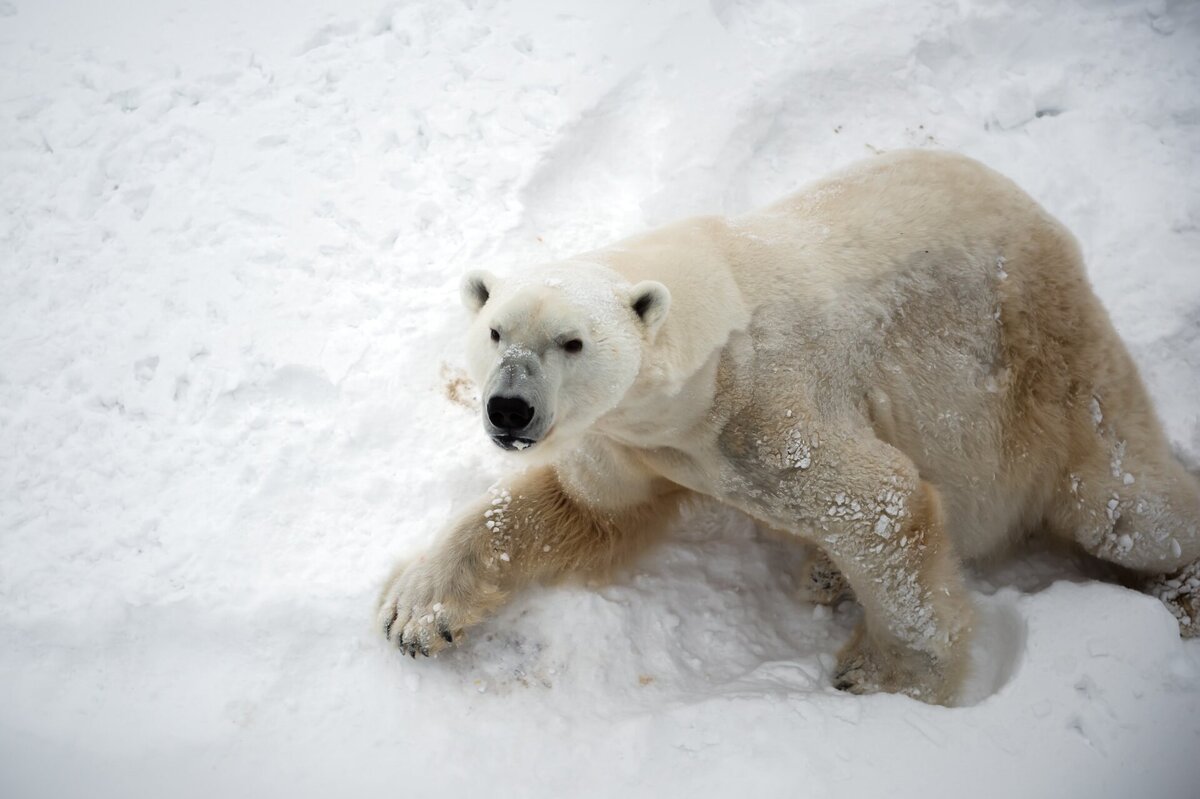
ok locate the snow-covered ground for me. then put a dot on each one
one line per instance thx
(230, 238)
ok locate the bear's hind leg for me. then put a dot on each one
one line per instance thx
(1125, 499)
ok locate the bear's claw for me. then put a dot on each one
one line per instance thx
(416, 613)
(1180, 592)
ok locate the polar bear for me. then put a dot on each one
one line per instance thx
(902, 364)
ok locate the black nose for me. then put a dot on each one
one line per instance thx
(512, 414)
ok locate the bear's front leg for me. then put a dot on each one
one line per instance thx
(915, 637)
(863, 503)
(533, 528)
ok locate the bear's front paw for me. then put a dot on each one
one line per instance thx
(857, 670)
(865, 668)
(821, 583)
(427, 603)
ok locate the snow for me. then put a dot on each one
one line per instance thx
(230, 240)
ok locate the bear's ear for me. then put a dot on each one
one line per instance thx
(650, 300)
(476, 288)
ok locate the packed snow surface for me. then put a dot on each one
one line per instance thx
(230, 391)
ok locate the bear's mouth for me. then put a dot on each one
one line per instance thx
(513, 443)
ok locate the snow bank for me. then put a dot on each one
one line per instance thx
(229, 244)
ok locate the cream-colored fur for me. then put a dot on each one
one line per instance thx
(902, 364)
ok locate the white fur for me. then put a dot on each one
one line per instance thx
(901, 364)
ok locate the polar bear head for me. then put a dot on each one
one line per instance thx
(556, 348)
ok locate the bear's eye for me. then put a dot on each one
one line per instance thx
(574, 345)
(495, 334)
